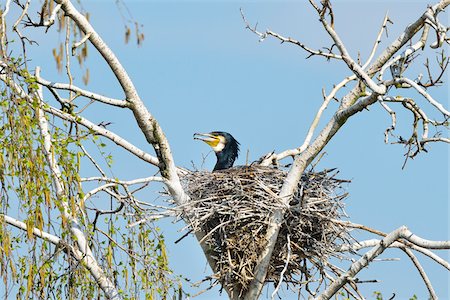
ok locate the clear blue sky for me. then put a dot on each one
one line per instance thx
(199, 70)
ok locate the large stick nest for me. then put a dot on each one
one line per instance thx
(232, 209)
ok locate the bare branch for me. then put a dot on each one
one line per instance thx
(290, 40)
(81, 42)
(435, 139)
(263, 36)
(357, 266)
(92, 160)
(402, 57)
(440, 29)
(16, 24)
(127, 182)
(422, 273)
(443, 63)
(104, 132)
(96, 190)
(377, 41)
(51, 19)
(80, 91)
(428, 244)
(357, 69)
(414, 143)
(3, 29)
(67, 61)
(288, 245)
(373, 242)
(272, 158)
(406, 248)
(426, 95)
(393, 119)
(39, 233)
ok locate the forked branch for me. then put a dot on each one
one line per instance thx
(356, 267)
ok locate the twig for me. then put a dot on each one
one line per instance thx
(124, 182)
(422, 273)
(357, 70)
(393, 119)
(263, 36)
(386, 242)
(3, 29)
(406, 53)
(37, 232)
(103, 132)
(288, 244)
(377, 41)
(373, 242)
(51, 19)
(426, 95)
(82, 92)
(292, 152)
(96, 190)
(96, 165)
(81, 42)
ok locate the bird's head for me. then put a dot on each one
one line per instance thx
(224, 145)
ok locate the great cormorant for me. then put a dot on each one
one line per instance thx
(224, 145)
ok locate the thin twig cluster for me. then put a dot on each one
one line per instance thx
(233, 208)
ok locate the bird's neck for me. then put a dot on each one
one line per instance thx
(225, 159)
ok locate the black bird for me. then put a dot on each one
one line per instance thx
(224, 145)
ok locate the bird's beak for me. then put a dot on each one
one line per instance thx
(207, 138)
